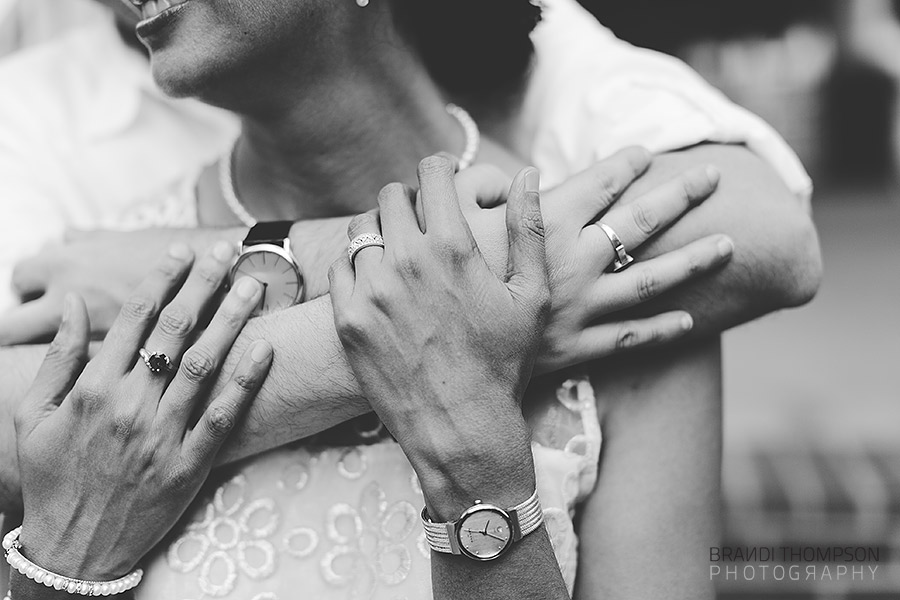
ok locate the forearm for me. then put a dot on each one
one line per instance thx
(657, 501)
(310, 386)
(776, 262)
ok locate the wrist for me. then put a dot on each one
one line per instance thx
(69, 554)
(452, 481)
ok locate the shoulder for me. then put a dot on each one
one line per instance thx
(592, 94)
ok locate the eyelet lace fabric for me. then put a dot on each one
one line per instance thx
(343, 522)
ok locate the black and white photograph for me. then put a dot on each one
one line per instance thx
(450, 299)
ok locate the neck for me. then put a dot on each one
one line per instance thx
(329, 150)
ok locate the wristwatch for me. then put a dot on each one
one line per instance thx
(484, 531)
(266, 257)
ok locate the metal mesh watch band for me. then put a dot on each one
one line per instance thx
(524, 518)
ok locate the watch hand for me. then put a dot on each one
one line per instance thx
(494, 536)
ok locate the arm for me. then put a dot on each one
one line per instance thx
(777, 262)
(444, 349)
(662, 419)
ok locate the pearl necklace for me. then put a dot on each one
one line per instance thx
(226, 175)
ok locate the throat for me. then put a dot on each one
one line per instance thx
(283, 173)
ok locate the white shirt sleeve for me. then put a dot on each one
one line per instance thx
(592, 94)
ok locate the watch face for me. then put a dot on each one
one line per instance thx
(484, 533)
(279, 276)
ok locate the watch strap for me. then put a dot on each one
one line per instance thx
(525, 518)
(269, 232)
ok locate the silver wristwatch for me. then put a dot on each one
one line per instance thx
(484, 531)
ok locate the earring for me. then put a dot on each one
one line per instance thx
(362, 3)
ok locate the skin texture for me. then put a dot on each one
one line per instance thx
(442, 345)
(109, 453)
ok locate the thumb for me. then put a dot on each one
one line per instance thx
(527, 268)
(63, 363)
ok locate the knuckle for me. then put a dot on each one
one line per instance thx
(170, 269)
(645, 218)
(627, 336)
(695, 265)
(392, 191)
(139, 308)
(436, 165)
(210, 274)
(533, 222)
(359, 223)
(246, 382)
(606, 186)
(351, 325)
(408, 266)
(176, 321)
(123, 424)
(198, 365)
(220, 420)
(647, 285)
(87, 392)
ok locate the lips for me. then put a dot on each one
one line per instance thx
(157, 14)
(151, 8)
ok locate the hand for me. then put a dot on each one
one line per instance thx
(443, 348)
(103, 267)
(109, 453)
(585, 320)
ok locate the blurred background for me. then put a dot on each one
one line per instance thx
(812, 413)
(812, 396)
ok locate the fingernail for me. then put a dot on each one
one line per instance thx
(260, 352)
(180, 251)
(223, 251)
(532, 181)
(712, 174)
(687, 322)
(247, 288)
(725, 247)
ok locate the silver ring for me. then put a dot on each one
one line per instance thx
(366, 240)
(157, 362)
(623, 259)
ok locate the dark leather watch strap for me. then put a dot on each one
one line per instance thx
(268, 232)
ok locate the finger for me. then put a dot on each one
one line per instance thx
(649, 279)
(63, 363)
(397, 216)
(594, 190)
(527, 269)
(439, 200)
(139, 312)
(369, 257)
(639, 221)
(30, 322)
(482, 185)
(201, 362)
(607, 339)
(341, 282)
(220, 417)
(31, 276)
(178, 320)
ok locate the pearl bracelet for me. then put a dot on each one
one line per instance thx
(11, 548)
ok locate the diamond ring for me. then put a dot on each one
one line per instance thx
(360, 242)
